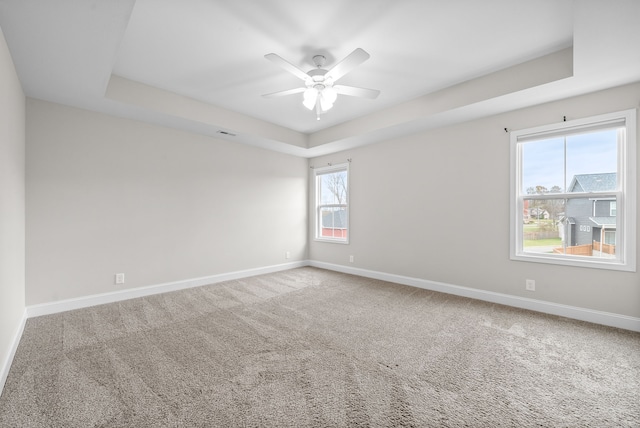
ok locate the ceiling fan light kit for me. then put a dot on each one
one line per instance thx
(319, 93)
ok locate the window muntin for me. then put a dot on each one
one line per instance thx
(332, 203)
(573, 192)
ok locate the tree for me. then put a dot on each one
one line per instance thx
(552, 206)
(555, 206)
(541, 190)
(336, 183)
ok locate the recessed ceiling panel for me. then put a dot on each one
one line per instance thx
(213, 51)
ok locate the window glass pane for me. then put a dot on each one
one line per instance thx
(333, 222)
(333, 188)
(543, 166)
(542, 228)
(543, 161)
(574, 227)
(609, 238)
(590, 154)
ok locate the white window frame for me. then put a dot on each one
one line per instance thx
(317, 172)
(625, 193)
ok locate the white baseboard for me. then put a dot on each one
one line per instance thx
(582, 314)
(117, 296)
(6, 364)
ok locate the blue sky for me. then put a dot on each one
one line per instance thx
(543, 161)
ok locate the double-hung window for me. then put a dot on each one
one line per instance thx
(332, 203)
(573, 188)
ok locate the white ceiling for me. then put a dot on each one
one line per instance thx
(199, 65)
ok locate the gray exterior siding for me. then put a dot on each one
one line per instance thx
(582, 212)
(581, 232)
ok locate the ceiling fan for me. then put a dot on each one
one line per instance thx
(320, 90)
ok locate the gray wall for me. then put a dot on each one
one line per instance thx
(107, 195)
(12, 205)
(435, 206)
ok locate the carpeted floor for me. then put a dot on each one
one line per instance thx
(314, 348)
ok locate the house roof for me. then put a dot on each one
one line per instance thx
(600, 182)
(334, 219)
(604, 221)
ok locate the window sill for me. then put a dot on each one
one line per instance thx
(333, 241)
(584, 262)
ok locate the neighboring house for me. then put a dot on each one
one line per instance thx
(334, 224)
(534, 213)
(591, 220)
(539, 213)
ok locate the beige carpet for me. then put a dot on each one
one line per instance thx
(313, 348)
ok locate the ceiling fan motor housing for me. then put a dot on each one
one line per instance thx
(319, 60)
(319, 92)
(317, 80)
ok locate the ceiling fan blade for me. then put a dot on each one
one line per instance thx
(356, 92)
(276, 59)
(283, 93)
(352, 60)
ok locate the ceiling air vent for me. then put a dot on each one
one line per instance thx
(226, 133)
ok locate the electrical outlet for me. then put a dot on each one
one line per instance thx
(530, 285)
(350, 259)
(119, 278)
(287, 255)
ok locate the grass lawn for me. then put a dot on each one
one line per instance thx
(542, 242)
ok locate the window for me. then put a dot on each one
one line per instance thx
(573, 192)
(332, 203)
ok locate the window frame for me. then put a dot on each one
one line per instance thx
(317, 172)
(625, 192)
